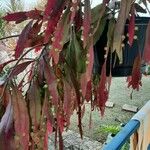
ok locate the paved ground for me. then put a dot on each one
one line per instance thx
(73, 141)
(120, 95)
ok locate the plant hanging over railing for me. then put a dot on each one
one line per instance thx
(60, 79)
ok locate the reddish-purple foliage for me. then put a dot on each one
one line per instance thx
(102, 93)
(21, 119)
(88, 95)
(131, 28)
(60, 78)
(22, 40)
(17, 17)
(135, 80)
(20, 68)
(86, 22)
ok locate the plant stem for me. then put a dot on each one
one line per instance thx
(8, 37)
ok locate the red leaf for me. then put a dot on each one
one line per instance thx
(49, 125)
(88, 95)
(49, 7)
(49, 130)
(33, 96)
(60, 36)
(55, 16)
(136, 74)
(20, 68)
(35, 41)
(106, 1)
(21, 119)
(102, 94)
(74, 7)
(128, 78)
(53, 7)
(90, 60)
(147, 45)
(35, 30)
(22, 40)
(69, 101)
(37, 49)
(31, 73)
(53, 92)
(60, 121)
(49, 74)
(83, 84)
(57, 43)
(86, 22)
(78, 19)
(45, 111)
(50, 28)
(4, 93)
(78, 102)
(34, 14)
(17, 17)
(7, 140)
(40, 71)
(51, 82)
(131, 27)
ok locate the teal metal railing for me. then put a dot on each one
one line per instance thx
(121, 138)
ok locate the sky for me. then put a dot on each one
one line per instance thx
(29, 3)
(94, 2)
(32, 2)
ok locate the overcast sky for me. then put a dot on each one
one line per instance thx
(29, 3)
(94, 2)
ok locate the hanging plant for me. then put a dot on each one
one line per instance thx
(60, 79)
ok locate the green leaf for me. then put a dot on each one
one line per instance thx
(95, 11)
(80, 56)
(99, 30)
(110, 32)
(119, 28)
(75, 55)
(66, 25)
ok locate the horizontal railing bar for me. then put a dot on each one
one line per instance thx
(120, 139)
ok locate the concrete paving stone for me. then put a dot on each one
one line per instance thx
(109, 104)
(73, 141)
(130, 108)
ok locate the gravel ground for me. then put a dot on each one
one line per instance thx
(120, 95)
